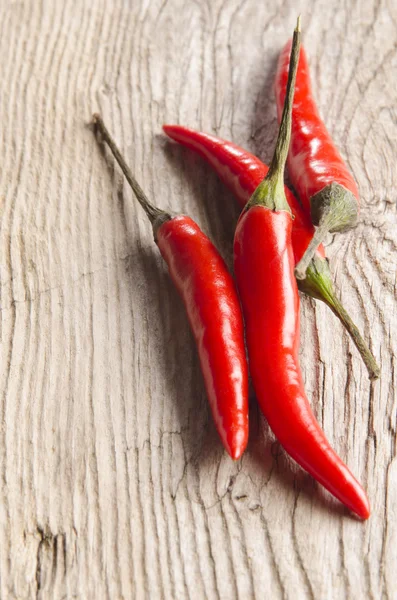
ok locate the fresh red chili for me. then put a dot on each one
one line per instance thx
(242, 172)
(211, 301)
(319, 175)
(264, 268)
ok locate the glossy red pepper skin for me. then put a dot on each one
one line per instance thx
(242, 172)
(313, 160)
(212, 305)
(264, 269)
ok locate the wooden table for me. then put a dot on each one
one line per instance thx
(113, 481)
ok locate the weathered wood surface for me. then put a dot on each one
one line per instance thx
(113, 481)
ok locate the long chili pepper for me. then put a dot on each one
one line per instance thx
(210, 298)
(242, 172)
(264, 268)
(320, 176)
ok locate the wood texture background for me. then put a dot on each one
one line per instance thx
(113, 481)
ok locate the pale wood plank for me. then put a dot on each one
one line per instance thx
(114, 484)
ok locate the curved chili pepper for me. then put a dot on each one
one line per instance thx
(242, 172)
(210, 298)
(319, 175)
(264, 268)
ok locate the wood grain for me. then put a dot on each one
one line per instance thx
(113, 481)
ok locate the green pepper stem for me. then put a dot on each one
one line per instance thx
(366, 354)
(270, 192)
(318, 237)
(155, 215)
(277, 165)
(318, 284)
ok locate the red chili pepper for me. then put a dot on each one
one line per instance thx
(210, 298)
(242, 172)
(264, 268)
(317, 170)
